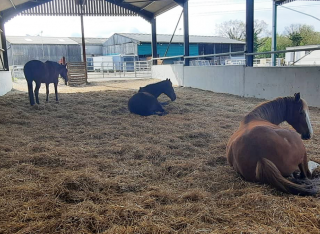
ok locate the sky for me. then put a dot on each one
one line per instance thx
(204, 16)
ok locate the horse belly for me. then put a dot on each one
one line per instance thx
(283, 148)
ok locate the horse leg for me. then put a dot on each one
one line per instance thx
(164, 103)
(36, 92)
(30, 91)
(304, 169)
(56, 91)
(160, 109)
(47, 92)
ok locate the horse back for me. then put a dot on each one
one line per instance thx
(34, 70)
(38, 71)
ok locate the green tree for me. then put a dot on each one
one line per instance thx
(282, 43)
(302, 34)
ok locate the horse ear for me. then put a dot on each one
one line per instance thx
(297, 97)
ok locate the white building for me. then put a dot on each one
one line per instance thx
(307, 57)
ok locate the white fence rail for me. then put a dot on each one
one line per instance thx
(134, 69)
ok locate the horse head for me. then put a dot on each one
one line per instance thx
(168, 90)
(298, 117)
(64, 72)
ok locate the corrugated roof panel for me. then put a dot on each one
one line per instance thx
(90, 40)
(146, 9)
(41, 40)
(281, 2)
(180, 39)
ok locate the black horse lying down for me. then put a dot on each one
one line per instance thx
(47, 73)
(145, 102)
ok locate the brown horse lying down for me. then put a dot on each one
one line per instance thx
(261, 151)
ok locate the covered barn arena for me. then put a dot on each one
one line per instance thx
(86, 165)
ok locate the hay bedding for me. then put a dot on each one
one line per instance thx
(86, 165)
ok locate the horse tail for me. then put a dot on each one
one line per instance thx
(267, 172)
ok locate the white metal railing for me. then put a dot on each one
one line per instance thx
(263, 62)
(119, 69)
(235, 53)
(17, 71)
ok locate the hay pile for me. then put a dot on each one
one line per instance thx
(86, 165)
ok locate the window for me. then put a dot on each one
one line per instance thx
(237, 47)
(221, 48)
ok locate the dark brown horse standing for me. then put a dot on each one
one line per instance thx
(145, 102)
(261, 151)
(47, 73)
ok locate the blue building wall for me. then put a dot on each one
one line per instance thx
(174, 49)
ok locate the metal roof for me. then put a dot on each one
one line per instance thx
(6, 4)
(89, 40)
(40, 40)
(147, 9)
(281, 2)
(165, 38)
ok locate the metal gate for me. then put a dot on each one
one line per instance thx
(128, 69)
(77, 73)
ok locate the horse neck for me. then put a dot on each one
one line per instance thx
(155, 89)
(273, 111)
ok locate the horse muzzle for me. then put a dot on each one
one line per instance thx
(306, 136)
(173, 98)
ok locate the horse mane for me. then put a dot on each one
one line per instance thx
(52, 63)
(155, 84)
(274, 111)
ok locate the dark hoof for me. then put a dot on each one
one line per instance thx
(162, 113)
(164, 103)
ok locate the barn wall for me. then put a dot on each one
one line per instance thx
(260, 82)
(20, 54)
(173, 72)
(125, 49)
(93, 50)
(271, 82)
(174, 49)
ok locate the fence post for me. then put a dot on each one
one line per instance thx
(102, 69)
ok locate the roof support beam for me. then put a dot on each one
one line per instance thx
(11, 12)
(84, 56)
(249, 31)
(4, 46)
(186, 31)
(143, 13)
(180, 2)
(154, 40)
(274, 32)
